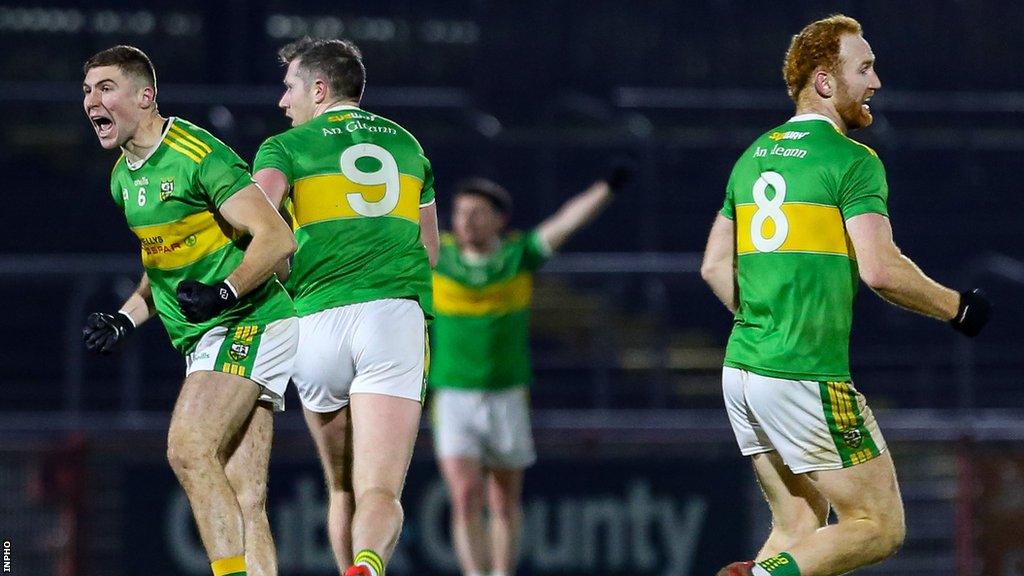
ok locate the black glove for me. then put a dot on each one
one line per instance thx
(621, 173)
(200, 302)
(973, 313)
(104, 333)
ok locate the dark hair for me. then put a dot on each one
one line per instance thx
(816, 45)
(128, 59)
(339, 61)
(489, 190)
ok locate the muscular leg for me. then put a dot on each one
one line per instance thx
(798, 509)
(465, 480)
(504, 497)
(383, 433)
(247, 473)
(871, 526)
(332, 434)
(211, 409)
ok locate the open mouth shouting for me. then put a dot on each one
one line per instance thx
(103, 125)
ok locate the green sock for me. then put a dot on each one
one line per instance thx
(782, 564)
(371, 560)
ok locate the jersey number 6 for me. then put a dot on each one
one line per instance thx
(387, 175)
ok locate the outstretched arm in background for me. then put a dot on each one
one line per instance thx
(576, 213)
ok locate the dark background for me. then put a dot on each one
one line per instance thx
(538, 95)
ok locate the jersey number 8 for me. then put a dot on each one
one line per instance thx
(769, 210)
(387, 175)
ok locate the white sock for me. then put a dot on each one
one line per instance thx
(758, 571)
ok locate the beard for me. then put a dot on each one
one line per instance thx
(850, 110)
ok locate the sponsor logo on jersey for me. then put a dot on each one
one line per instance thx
(238, 351)
(350, 115)
(141, 181)
(190, 241)
(166, 188)
(790, 135)
(156, 245)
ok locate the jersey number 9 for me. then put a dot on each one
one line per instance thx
(387, 175)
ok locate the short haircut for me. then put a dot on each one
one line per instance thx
(816, 45)
(339, 61)
(128, 59)
(491, 191)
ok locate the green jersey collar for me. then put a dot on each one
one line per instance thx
(812, 116)
(133, 166)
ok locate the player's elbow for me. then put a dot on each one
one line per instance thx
(711, 271)
(877, 276)
(282, 240)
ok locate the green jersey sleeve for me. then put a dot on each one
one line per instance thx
(272, 154)
(427, 193)
(221, 174)
(535, 251)
(729, 205)
(863, 188)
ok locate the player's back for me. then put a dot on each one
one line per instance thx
(790, 194)
(358, 181)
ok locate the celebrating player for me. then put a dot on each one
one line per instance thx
(805, 213)
(210, 240)
(361, 197)
(481, 366)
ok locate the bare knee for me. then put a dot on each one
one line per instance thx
(467, 498)
(891, 533)
(252, 500)
(791, 526)
(187, 454)
(502, 506)
(377, 498)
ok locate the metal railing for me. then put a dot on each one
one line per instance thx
(90, 275)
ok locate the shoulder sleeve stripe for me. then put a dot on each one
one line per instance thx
(183, 150)
(187, 145)
(180, 132)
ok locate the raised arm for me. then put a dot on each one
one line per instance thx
(719, 265)
(898, 280)
(576, 213)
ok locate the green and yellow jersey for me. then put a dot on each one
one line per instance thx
(481, 333)
(170, 200)
(790, 194)
(358, 182)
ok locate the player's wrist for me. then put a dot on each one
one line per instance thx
(972, 313)
(131, 321)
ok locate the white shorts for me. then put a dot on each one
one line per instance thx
(376, 347)
(813, 425)
(264, 354)
(492, 427)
